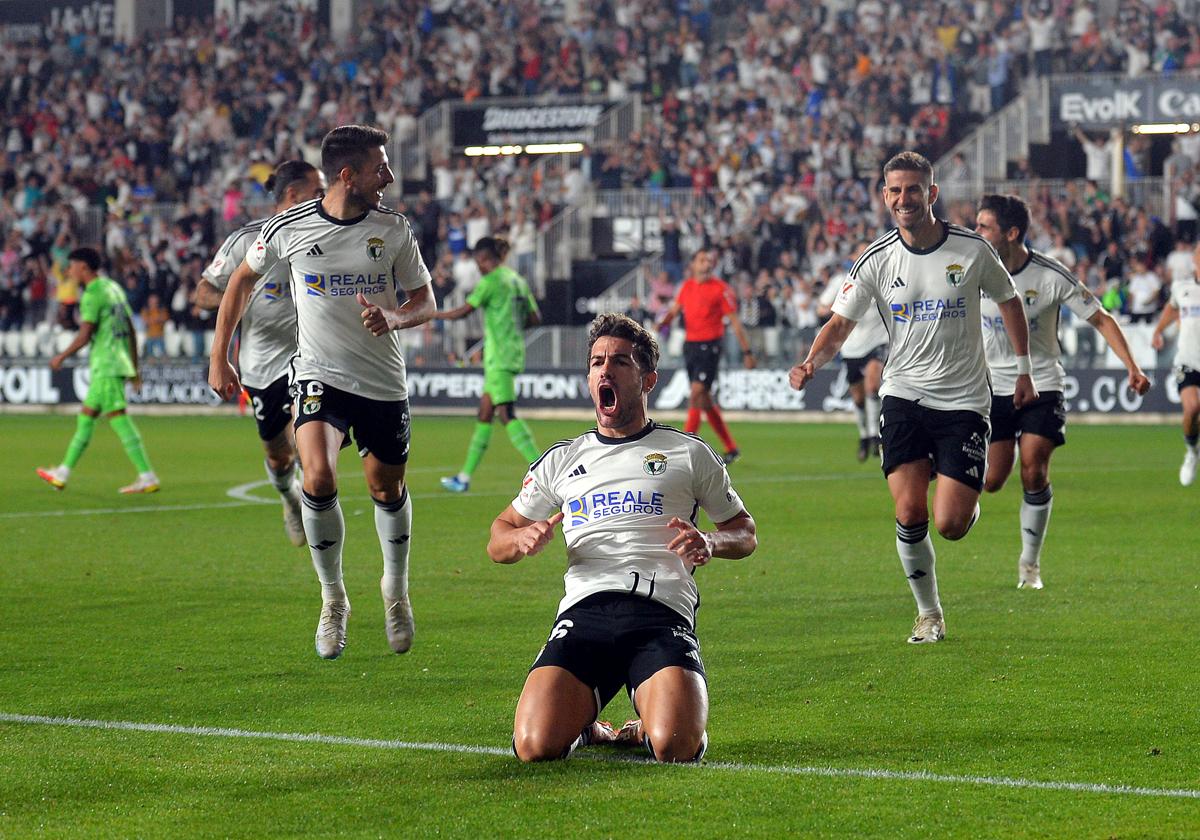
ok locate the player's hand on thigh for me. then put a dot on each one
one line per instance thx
(1025, 392)
(691, 544)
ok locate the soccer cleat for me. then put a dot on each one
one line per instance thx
(928, 629)
(331, 629)
(293, 518)
(864, 449)
(731, 456)
(454, 485)
(397, 621)
(1029, 574)
(54, 476)
(146, 483)
(1187, 471)
(598, 732)
(630, 735)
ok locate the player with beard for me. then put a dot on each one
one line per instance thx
(924, 279)
(626, 494)
(350, 259)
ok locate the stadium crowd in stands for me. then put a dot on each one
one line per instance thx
(781, 112)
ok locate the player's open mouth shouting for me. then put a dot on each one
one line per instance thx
(608, 399)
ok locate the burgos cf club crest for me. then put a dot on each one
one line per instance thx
(955, 274)
(1031, 297)
(654, 464)
(375, 248)
(577, 509)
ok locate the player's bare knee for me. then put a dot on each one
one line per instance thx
(993, 484)
(319, 481)
(671, 745)
(531, 745)
(954, 529)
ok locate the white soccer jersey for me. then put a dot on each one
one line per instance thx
(269, 323)
(331, 261)
(1044, 285)
(929, 300)
(617, 496)
(869, 333)
(1185, 297)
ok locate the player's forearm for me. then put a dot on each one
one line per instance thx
(454, 314)
(829, 340)
(1170, 313)
(78, 343)
(208, 296)
(1108, 327)
(502, 542)
(232, 307)
(734, 539)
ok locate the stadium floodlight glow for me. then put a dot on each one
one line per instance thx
(553, 148)
(1165, 128)
(491, 151)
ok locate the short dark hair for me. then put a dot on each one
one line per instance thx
(348, 145)
(909, 161)
(286, 174)
(614, 325)
(1010, 212)
(496, 246)
(88, 256)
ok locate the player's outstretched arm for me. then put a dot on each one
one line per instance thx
(1012, 312)
(824, 347)
(1108, 327)
(514, 536)
(82, 338)
(455, 314)
(1169, 316)
(734, 539)
(416, 310)
(669, 318)
(222, 378)
(740, 331)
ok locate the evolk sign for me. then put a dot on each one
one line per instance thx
(1113, 101)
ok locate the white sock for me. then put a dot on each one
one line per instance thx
(282, 481)
(860, 417)
(873, 405)
(463, 478)
(917, 557)
(393, 523)
(1035, 516)
(325, 530)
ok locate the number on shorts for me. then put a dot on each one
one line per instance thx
(258, 408)
(560, 630)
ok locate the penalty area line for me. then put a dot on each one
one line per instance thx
(726, 766)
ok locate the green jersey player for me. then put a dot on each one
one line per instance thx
(508, 309)
(107, 325)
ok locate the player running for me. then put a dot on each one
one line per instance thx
(1043, 285)
(863, 356)
(706, 302)
(106, 323)
(349, 257)
(924, 278)
(1184, 307)
(626, 494)
(508, 310)
(268, 335)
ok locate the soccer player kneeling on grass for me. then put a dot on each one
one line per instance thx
(625, 494)
(107, 325)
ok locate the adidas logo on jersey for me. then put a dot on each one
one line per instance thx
(899, 283)
(578, 471)
(315, 251)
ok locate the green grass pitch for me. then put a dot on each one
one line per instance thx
(190, 609)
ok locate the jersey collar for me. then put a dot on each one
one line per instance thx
(921, 251)
(1025, 264)
(344, 222)
(613, 441)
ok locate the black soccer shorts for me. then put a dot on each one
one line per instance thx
(956, 441)
(614, 639)
(1186, 377)
(856, 368)
(1046, 416)
(381, 427)
(703, 359)
(272, 407)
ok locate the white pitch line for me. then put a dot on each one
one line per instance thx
(472, 749)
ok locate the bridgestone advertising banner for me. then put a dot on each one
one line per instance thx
(1107, 102)
(1101, 391)
(500, 125)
